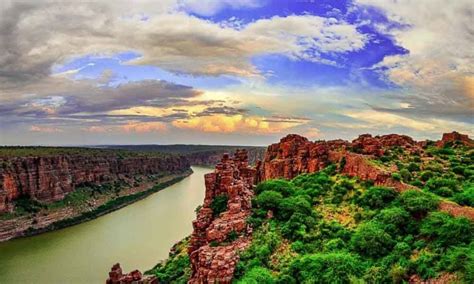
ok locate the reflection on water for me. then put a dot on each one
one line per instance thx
(137, 236)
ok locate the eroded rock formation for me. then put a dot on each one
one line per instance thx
(217, 239)
(116, 276)
(455, 137)
(50, 178)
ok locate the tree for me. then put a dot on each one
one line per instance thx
(418, 202)
(371, 240)
(257, 275)
(377, 197)
(445, 230)
(326, 268)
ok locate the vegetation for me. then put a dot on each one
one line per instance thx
(327, 228)
(177, 268)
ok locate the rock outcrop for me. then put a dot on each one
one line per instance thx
(455, 137)
(295, 155)
(217, 239)
(116, 276)
(50, 178)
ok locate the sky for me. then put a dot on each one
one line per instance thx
(235, 72)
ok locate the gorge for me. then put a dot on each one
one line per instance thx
(225, 223)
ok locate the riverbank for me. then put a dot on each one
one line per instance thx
(139, 235)
(60, 215)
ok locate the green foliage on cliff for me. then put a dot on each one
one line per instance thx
(327, 228)
(219, 204)
(177, 268)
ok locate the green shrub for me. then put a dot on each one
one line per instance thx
(285, 187)
(396, 176)
(418, 202)
(326, 268)
(269, 199)
(465, 197)
(377, 197)
(257, 275)
(426, 175)
(219, 204)
(394, 220)
(445, 230)
(405, 175)
(371, 240)
(436, 183)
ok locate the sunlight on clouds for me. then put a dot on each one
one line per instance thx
(236, 123)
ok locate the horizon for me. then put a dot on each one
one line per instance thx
(235, 73)
(216, 145)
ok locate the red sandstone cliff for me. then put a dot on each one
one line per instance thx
(50, 178)
(295, 155)
(216, 263)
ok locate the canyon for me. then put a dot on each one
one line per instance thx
(45, 179)
(219, 237)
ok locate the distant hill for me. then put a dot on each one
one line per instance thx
(204, 155)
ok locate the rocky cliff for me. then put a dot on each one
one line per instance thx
(218, 237)
(295, 155)
(49, 178)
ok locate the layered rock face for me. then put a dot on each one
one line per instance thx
(455, 137)
(50, 178)
(213, 252)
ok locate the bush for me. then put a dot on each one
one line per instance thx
(395, 220)
(219, 204)
(434, 184)
(405, 175)
(326, 268)
(412, 167)
(396, 176)
(371, 240)
(377, 197)
(426, 175)
(418, 202)
(257, 275)
(445, 230)
(269, 200)
(465, 197)
(285, 187)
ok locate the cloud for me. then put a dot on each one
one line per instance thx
(34, 36)
(236, 123)
(437, 73)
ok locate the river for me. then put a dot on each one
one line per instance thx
(138, 236)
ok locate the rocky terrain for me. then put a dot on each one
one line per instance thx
(417, 178)
(33, 182)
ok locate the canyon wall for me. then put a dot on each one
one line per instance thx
(212, 251)
(50, 178)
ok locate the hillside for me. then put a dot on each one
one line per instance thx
(375, 210)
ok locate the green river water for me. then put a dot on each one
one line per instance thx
(137, 236)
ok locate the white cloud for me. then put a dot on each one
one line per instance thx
(36, 36)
